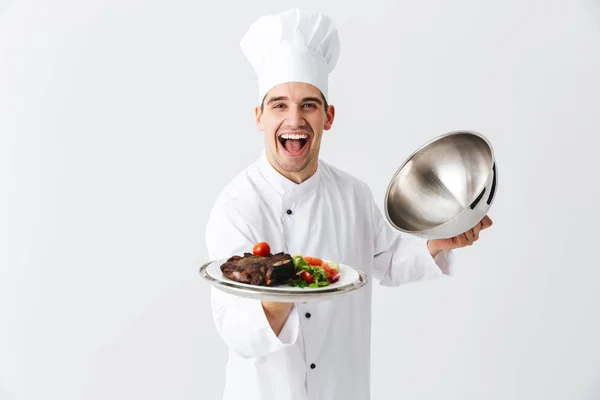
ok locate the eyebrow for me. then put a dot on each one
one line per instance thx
(282, 98)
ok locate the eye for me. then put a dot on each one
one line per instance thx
(279, 105)
(310, 105)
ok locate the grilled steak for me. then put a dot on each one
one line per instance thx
(262, 271)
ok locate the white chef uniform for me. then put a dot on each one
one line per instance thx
(323, 351)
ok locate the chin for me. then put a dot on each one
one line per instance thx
(293, 164)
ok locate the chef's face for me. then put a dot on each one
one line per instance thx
(293, 117)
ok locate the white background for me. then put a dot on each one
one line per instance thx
(107, 114)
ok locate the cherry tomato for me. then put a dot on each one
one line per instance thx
(333, 277)
(332, 274)
(261, 249)
(313, 261)
(307, 277)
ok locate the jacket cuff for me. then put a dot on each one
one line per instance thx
(244, 327)
(433, 267)
(289, 332)
(444, 260)
(264, 339)
(429, 267)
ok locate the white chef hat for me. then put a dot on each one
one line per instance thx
(292, 46)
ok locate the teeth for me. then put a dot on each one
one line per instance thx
(292, 136)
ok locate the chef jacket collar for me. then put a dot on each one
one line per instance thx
(281, 184)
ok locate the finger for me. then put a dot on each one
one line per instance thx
(478, 228)
(476, 231)
(486, 222)
(469, 237)
(459, 241)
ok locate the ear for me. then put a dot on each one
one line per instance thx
(258, 116)
(329, 118)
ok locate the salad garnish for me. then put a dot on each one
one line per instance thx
(314, 272)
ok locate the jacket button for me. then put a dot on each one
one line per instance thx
(313, 366)
(289, 212)
(307, 315)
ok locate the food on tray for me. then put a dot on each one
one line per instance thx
(314, 272)
(262, 249)
(265, 269)
(259, 270)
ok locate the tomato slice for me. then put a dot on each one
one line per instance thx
(333, 275)
(261, 249)
(334, 278)
(313, 261)
(307, 277)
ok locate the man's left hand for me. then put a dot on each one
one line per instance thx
(462, 240)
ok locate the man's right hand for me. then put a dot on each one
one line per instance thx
(277, 314)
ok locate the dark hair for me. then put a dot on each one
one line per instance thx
(325, 104)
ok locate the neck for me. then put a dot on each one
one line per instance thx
(296, 177)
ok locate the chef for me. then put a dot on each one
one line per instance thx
(300, 204)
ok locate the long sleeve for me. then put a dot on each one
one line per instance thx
(401, 258)
(241, 322)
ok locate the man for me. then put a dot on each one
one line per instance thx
(302, 205)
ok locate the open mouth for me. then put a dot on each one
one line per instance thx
(294, 144)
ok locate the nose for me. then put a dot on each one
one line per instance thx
(295, 119)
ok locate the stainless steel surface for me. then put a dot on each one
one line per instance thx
(445, 187)
(266, 294)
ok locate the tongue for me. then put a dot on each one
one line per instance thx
(293, 145)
